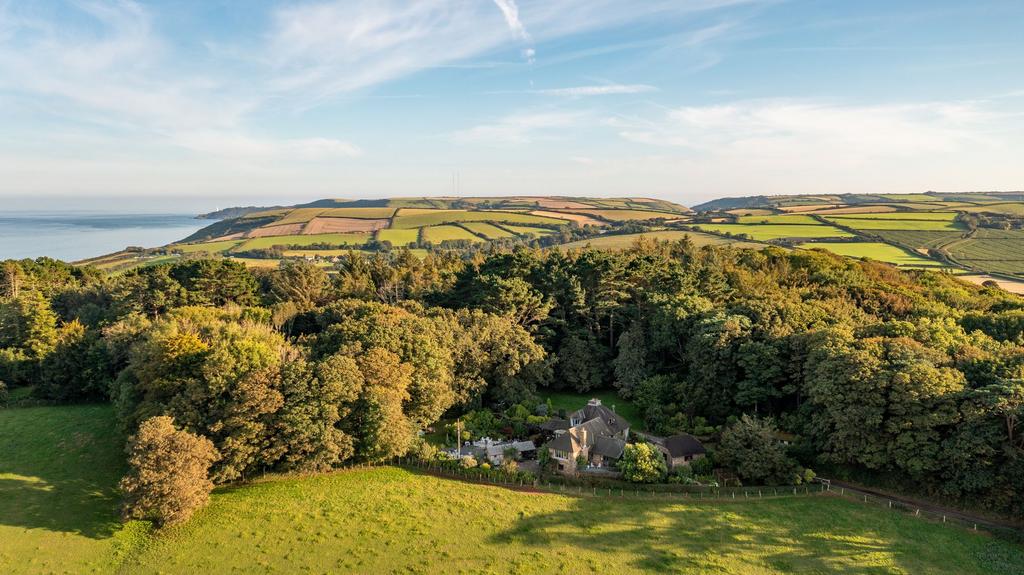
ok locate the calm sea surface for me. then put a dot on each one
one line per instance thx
(75, 235)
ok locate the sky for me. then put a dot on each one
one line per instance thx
(208, 103)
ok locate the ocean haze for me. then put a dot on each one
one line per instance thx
(72, 235)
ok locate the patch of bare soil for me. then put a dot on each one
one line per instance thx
(268, 231)
(343, 225)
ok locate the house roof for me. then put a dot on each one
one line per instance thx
(683, 444)
(615, 422)
(563, 442)
(611, 447)
(524, 446)
(555, 424)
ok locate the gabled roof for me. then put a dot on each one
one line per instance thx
(563, 442)
(555, 424)
(611, 447)
(683, 444)
(615, 422)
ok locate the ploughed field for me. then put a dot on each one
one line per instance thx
(59, 468)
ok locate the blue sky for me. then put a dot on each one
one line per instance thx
(219, 101)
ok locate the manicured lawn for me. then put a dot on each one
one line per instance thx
(301, 240)
(774, 232)
(388, 520)
(876, 251)
(571, 401)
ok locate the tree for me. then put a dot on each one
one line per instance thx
(642, 463)
(581, 363)
(750, 447)
(167, 481)
(300, 282)
(218, 376)
(631, 363)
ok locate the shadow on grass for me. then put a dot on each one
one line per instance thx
(805, 536)
(59, 468)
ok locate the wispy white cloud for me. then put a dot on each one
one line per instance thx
(511, 12)
(600, 90)
(520, 128)
(326, 48)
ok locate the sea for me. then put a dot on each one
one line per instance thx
(77, 235)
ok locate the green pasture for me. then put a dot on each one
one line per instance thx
(398, 237)
(489, 231)
(626, 214)
(778, 219)
(901, 216)
(358, 213)
(918, 238)
(438, 234)
(1009, 208)
(525, 230)
(58, 514)
(625, 241)
(862, 223)
(209, 247)
(761, 232)
(303, 240)
(876, 251)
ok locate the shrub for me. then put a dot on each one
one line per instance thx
(468, 461)
(4, 396)
(168, 478)
(642, 463)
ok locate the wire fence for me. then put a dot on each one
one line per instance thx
(937, 516)
(599, 487)
(622, 490)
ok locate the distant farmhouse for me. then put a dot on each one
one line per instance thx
(598, 435)
(595, 434)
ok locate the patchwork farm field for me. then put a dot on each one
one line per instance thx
(862, 223)
(625, 241)
(332, 239)
(774, 232)
(874, 250)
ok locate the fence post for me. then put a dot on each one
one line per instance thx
(842, 491)
(890, 504)
(943, 518)
(917, 513)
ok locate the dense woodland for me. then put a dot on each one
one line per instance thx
(908, 375)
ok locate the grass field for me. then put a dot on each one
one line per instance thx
(783, 219)
(59, 467)
(438, 234)
(876, 251)
(624, 215)
(332, 239)
(902, 216)
(1010, 208)
(919, 239)
(995, 251)
(759, 232)
(489, 231)
(524, 230)
(399, 237)
(451, 216)
(210, 247)
(865, 222)
(624, 241)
